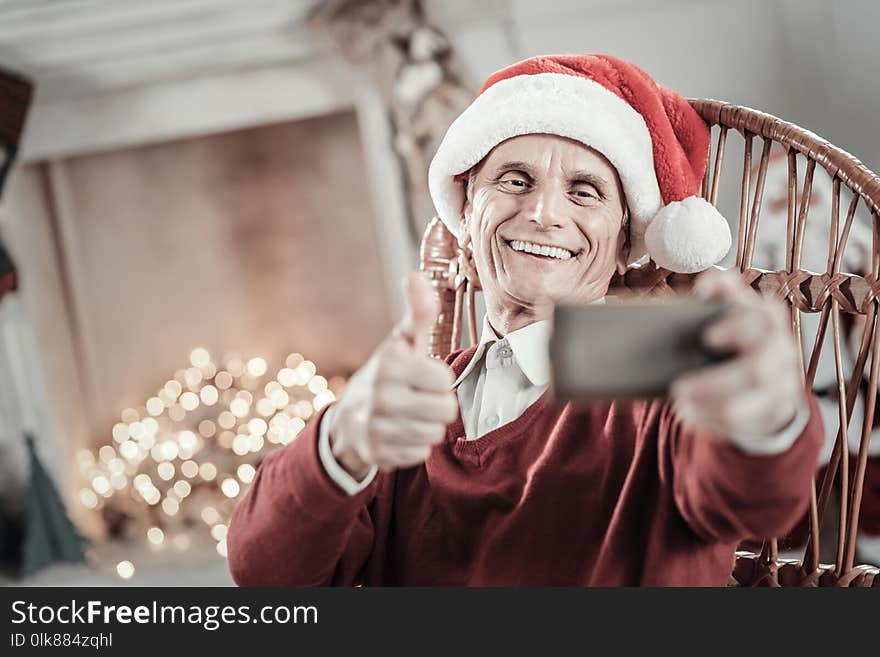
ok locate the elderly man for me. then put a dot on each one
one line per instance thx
(467, 472)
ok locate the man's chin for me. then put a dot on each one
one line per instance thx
(536, 297)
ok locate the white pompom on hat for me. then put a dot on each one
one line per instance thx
(655, 140)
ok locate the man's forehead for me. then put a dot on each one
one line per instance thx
(538, 149)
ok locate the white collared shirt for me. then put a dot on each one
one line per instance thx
(503, 378)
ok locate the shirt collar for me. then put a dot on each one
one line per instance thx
(487, 337)
(529, 345)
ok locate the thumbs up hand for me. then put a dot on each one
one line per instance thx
(396, 407)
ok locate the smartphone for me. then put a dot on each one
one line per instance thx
(629, 349)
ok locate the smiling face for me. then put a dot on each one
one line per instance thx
(544, 218)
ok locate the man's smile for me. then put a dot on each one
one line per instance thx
(541, 251)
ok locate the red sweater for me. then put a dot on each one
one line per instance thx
(607, 494)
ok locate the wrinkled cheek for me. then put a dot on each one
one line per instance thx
(484, 250)
(601, 265)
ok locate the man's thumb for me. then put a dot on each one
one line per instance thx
(421, 311)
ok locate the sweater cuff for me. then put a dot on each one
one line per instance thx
(332, 467)
(776, 443)
(310, 485)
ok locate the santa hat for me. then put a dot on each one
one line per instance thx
(651, 135)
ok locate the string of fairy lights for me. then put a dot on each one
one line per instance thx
(174, 469)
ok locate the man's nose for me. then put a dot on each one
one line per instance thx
(546, 207)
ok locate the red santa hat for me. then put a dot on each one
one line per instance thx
(651, 135)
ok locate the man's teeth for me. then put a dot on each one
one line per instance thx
(538, 249)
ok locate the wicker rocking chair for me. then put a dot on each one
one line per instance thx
(831, 292)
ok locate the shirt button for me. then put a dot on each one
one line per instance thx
(505, 352)
(491, 421)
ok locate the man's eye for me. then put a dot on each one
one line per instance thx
(584, 193)
(514, 182)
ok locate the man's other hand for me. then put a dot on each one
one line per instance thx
(396, 407)
(759, 390)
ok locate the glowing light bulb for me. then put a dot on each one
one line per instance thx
(193, 377)
(210, 515)
(239, 407)
(230, 487)
(155, 406)
(257, 366)
(280, 399)
(317, 384)
(187, 440)
(88, 498)
(182, 488)
(120, 432)
(208, 471)
(265, 407)
(173, 388)
(189, 469)
(125, 569)
(257, 426)
(209, 395)
(306, 370)
(226, 419)
(129, 450)
(101, 484)
(142, 481)
(107, 453)
(286, 377)
(246, 473)
(165, 470)
(199, 357)
(189, 401)
(241, 445)
(169, 450)
(322, 399)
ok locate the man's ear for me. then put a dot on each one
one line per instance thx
(623, 250)
(464, 233)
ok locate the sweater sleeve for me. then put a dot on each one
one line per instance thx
(727, 494)
(296, 527)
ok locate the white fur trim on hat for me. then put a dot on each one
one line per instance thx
(557, 104)
(688, 236)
